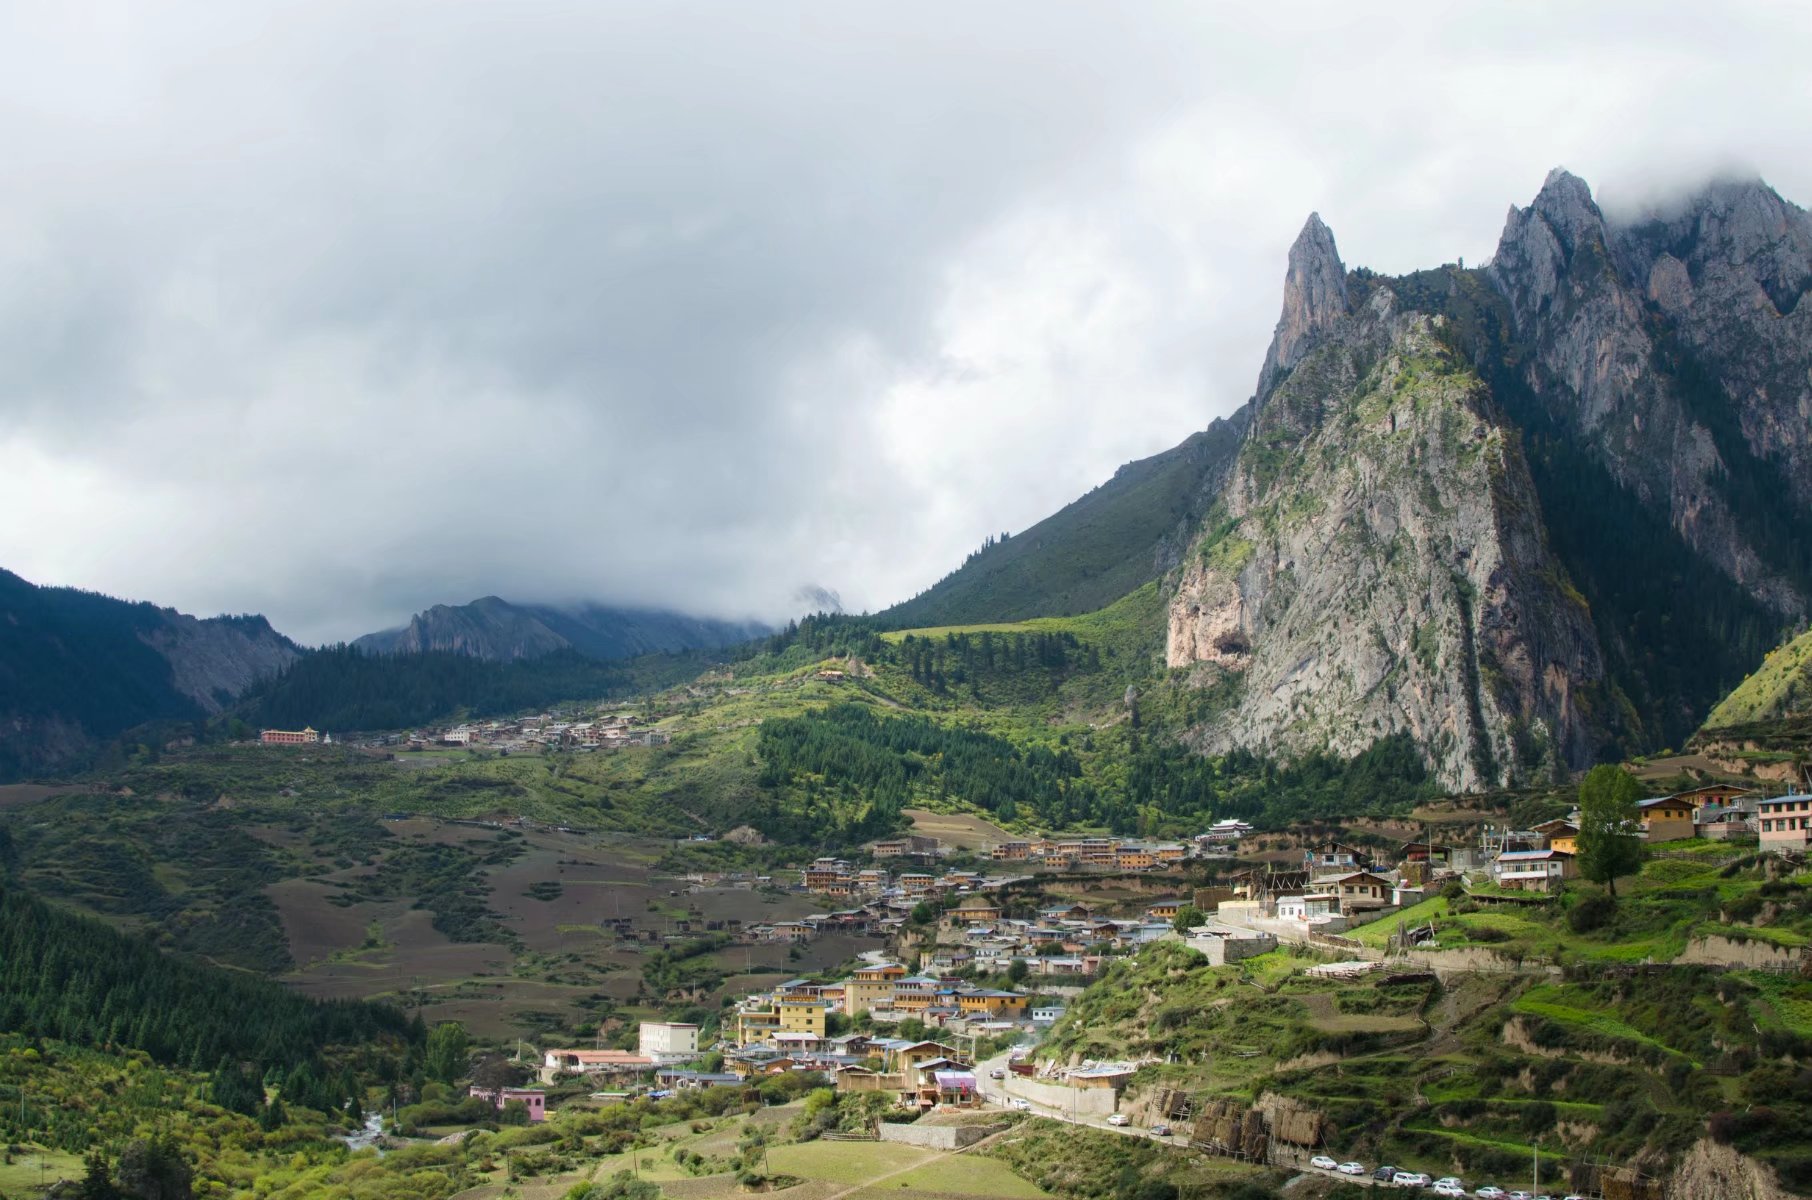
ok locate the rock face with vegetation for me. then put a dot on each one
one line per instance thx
(1376, 563)
(78, 667)
(1675, 349)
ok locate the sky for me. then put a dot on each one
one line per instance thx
(335, 311)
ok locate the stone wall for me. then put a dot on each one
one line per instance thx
(1084, 1102)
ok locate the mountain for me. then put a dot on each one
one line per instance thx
(1125, 533)
(496, 629)
(78, 667)
(1530, 515)
(1371, 565)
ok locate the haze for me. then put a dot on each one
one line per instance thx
(335, 311)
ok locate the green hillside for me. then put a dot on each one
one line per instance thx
(1090, 552)
(1780, 687)
(1591, 1061)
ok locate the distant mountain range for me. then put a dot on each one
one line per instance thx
(495, 629)
(77, 667)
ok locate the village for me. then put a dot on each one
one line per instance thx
(919, 1021)
(612, 729)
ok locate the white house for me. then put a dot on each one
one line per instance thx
(1532, 870)
(665, 1042)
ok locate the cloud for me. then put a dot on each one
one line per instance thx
(335, 311)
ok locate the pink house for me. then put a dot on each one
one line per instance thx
(534, 1101)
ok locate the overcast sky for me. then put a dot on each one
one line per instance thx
(334, 311)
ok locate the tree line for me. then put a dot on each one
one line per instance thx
(77, 980)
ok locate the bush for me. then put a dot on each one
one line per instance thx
(1590, 913)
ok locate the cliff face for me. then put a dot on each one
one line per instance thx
(1377, 564)
(1676, 350)
(213, 661)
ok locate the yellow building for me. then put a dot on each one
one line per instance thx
(1667, 819)
(871, 987)
(802, 1014)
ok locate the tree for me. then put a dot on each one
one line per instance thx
(1187, 918)
(1609, 843)
(448, 1049)
(497, 1071)
(1017, 971)
(155, 1169)
(97, 1181)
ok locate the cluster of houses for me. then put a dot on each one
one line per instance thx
(1090, 853)
(605, 731)
(1065, 940)
(794, 1016)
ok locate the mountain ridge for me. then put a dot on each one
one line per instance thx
(78, 667)
(493, 628)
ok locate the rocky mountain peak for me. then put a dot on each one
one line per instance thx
(1536, 252)
(1314, 301)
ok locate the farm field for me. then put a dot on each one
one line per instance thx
(961, 830)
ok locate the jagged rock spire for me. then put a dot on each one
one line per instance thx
(1538, 244)
(1314, 300)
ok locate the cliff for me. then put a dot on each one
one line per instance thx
(1376, 562)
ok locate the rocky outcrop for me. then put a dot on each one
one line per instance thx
(1675, 349)
(1314, 302)
(1377, 565)
(214, 661)
(1714, 1171)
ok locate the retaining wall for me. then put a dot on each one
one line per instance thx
(938, 1137)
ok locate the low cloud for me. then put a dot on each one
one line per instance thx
(337, 311)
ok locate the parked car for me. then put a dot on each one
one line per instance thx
(1443, 1188)
(1519, 1194)
(1021, 1105)
(1117, 1119)
(1160, 1130)
(1451, 1179)
(1490, 1192)
(1351, 1168)
(1322, 1162)
(1409, 1179)
(1385, 1173)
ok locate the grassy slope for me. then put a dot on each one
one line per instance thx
(1088, 553)
(1780, 686)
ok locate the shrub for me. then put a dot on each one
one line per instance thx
(1590, 913)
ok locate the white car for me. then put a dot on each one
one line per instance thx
(1351, 1168)
(1448, 1189)
(1490, 1192)
(1409, 1179)
(1453, 1179)
(1322, 1162)
(1117, 1119)
(1021, 1105)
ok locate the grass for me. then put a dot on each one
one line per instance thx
(35, 1165)
(1782, 684)
(845, 1162)
(964, 1175)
